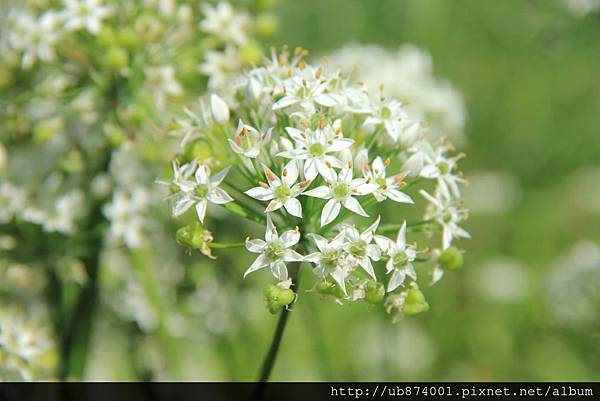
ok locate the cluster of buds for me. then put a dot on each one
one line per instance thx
(320, 162)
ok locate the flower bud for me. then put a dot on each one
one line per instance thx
(266, 25)
(415, 303)
(273, 307)
(270, 292)
(374, 292)
(285, 296)
(251, 52)
(451, 259)
(116, 57)
(191, 236)
(278, 296)
(219, 109)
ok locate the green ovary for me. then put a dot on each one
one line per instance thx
(274, 251)
(400, 259)
(359, 249)
(282, 192)
(316, 149)
(201, 191)
(341, 191)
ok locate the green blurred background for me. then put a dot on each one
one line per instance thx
(528, 71)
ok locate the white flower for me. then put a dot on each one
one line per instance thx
(305, 93)
(387, 186)
(447, 215)
(359, 246)
(126, 215)
(219, 109)
(340, 191)
(438, 166)
(281, 191)
(314, 147)
(400, 260)
(274, 251)
(35, 38)
(86, 14)
(248, 141)
(198, 191)
(223, 22)
(391, 115)
(221, 66)
(331, 259)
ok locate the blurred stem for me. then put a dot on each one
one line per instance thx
(224, 245)
(270, 358)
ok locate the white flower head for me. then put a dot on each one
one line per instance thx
(197, 187)
(341, 191)
(438, 166)
(281, 191)
(274, 251)
(331, 259)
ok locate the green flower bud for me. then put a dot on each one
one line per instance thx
(197, 149)
(128, 39)
(273, 307)
(415, 303)
(326, 287)
(285, 296)
(451, 259)
(191, 236)
(374, 292)
(270, 292)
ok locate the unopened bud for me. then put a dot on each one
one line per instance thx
(451, 259)
(415, 303)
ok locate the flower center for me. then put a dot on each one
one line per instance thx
(341, 191)
(386, 113)
(359, 249)
(380, 181)
(282, 192)
(443, 167)
(317, 149)
(201, 190)
(400, 259)
(329, 260)
(274, 251)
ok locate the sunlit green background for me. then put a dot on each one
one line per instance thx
(529, 73)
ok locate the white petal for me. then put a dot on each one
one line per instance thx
(220, 176)
(292, 256)
(259, 263)
(325, 100)
(290, 238)
(219, 196)
(291, 173)
(260, 193)
(340, 144)
(354, 205)
(325, 171)
(322, 192)
(255, 245)
(398, 196)
(274, 205)
(401, 239)
(396, 280)
(279, 271)
(384, 243)
(219, 108)
(330, 211)
(365, 263)
(367, 235)
(436, 275)
(296, 134)
(320, 241)
(310, 169)
(182, 205)
(202, 174)
(270, 230)
(339, 275)
(293, 207)
(285, 102)
(201, 209)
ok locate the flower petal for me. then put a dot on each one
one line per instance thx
(352, 204)
(290, 238)
(219, 196)
(330, 211)
(201, 209)
(255, 245)
(293, 207)
(322, 192)
(260, 193)
(260, 262)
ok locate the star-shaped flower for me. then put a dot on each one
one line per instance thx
(199, 189)
(274, 251)
(447, 214)
(248, 141)
(305, 92)
(315, 148)
(387, 186)
(438, 166)
(400, 259)
(281, 191)
(360, 248)
(341, 191)
(331, 259)
(85, 13)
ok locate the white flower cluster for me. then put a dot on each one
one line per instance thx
(581, 8)
(20, 348)
(322, 149)
(407, 73)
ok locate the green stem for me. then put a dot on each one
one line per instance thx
(224, 245)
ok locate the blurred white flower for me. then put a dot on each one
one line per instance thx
(224, 23)
(86, 14)
(492, 192)
(581, 8)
